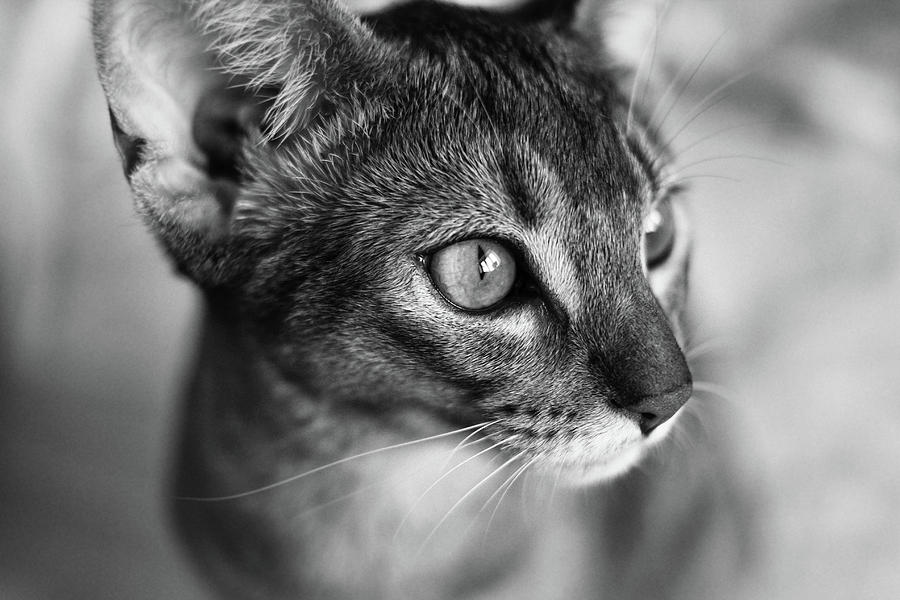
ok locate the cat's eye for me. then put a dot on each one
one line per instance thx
(473, 274)
(659, 233)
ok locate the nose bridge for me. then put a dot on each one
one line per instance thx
(632, 352)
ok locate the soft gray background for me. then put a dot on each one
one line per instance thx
(796, 289)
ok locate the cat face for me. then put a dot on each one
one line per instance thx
(482, 254)
(453, 215)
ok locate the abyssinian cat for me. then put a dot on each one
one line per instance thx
(444, 271)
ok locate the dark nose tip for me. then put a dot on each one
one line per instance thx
(653, 411)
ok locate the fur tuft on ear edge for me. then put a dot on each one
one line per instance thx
(192, 85)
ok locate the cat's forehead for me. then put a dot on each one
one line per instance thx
(489, 130)
(539, 106)
(502, 164)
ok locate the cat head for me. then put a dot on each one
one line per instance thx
(431, 209)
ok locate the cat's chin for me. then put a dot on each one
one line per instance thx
(607, 470)
(616, 464)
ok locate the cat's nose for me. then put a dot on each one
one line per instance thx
(642, 368)
(653, 411)
(653, 382)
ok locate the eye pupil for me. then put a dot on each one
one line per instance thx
(473, 274)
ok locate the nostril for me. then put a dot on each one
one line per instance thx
(649, 421)
(653, 411)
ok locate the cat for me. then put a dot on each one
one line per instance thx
(444, 270)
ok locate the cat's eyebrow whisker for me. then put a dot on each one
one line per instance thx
(694, 143)
(681, 174)
(330, 465)
(685, 167)
(708, 102)
(464, 497)
(434, 484)
(487, 115)
(651, 44)
(683, 178)
(468, 113)
(682, 88)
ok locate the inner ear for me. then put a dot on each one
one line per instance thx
(221, 123)
(194, 87)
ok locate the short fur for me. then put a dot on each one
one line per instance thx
(301, 165)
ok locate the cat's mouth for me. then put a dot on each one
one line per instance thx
(587, 461)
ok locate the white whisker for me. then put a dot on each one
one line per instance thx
(683, 168)
(466, 442)
(682, 89)
(503, 486)
(508, 486)
(660, 15)
(327, 466)
(706, 103)
(443, 476)
(357, 492)
(683, 178)
(694, 143)
(465, 496)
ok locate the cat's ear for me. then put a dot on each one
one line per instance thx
(194, 85)
(624, 28)
(561, 12)
(628, 28)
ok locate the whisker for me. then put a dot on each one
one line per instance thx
(682, 178)
(512, 481)
(708, 102)
(660, 14)
(555, 486)
(718, 132)
(685, 167)
(359, 491)
(503, 486)
(524, 498)
(683, 87)
(328, 466)
(465, 496)
(486, 113)
(443, 476)
(465, 443)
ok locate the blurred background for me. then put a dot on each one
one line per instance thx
(794, 169)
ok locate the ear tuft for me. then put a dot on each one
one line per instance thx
(296, 54)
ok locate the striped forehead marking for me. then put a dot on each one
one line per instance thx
(547, 233)
(556, 269)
